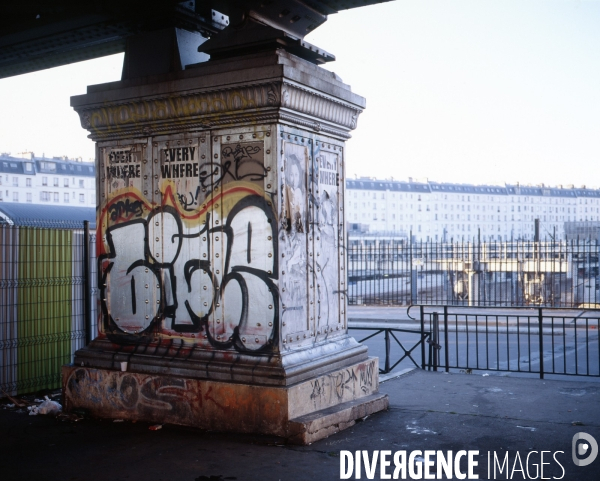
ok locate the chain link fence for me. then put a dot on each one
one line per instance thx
(47, 283)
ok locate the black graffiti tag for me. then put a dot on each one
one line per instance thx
(189, 200)
(143, 289)
(123, 209)
(238, 163)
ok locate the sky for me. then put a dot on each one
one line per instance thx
(474, 91)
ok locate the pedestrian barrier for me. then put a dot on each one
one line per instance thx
(46, 312)
(535, 341)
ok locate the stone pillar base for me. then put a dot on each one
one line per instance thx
(302, 413)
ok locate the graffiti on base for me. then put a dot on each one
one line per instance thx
(344, 385)
(144, 396)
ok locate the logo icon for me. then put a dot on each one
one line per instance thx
(588, 447)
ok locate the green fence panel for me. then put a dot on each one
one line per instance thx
(44, 307)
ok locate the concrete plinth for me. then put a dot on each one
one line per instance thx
(302, 413)
(221, 250)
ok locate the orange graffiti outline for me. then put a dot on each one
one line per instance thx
(168, 199)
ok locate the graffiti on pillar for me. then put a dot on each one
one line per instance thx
(293, 236)
(325, 220)
(309, 234)
(239, 162)
(190, 262)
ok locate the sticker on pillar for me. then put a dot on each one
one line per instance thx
(242, 161)
(327, 238)
(179, 162)
(293, 230)
(122, 166)
(181, 165)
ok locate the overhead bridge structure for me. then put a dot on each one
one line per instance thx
(40, 35)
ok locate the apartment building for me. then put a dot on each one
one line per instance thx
(42, 180)
(446, 211)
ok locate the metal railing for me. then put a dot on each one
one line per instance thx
(536, 341)
(388, 331)
(46, 286)
(499, 274)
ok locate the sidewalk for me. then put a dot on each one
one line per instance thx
(433, 411)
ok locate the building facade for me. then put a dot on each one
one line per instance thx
(41, 180)
(445, 211)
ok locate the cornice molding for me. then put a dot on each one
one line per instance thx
(208, 108)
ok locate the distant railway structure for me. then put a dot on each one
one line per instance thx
(517, 273)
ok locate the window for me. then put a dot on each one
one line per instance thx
(48, 166)
(15, 197)
(66, 197)
(66, 182)
(44, 196)
(55, 196)
(55, 181)
(28, 182)
(29, 197)
(28, 167)
(81, 184)
(81, 197)
(15, 181)
(44, 180)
